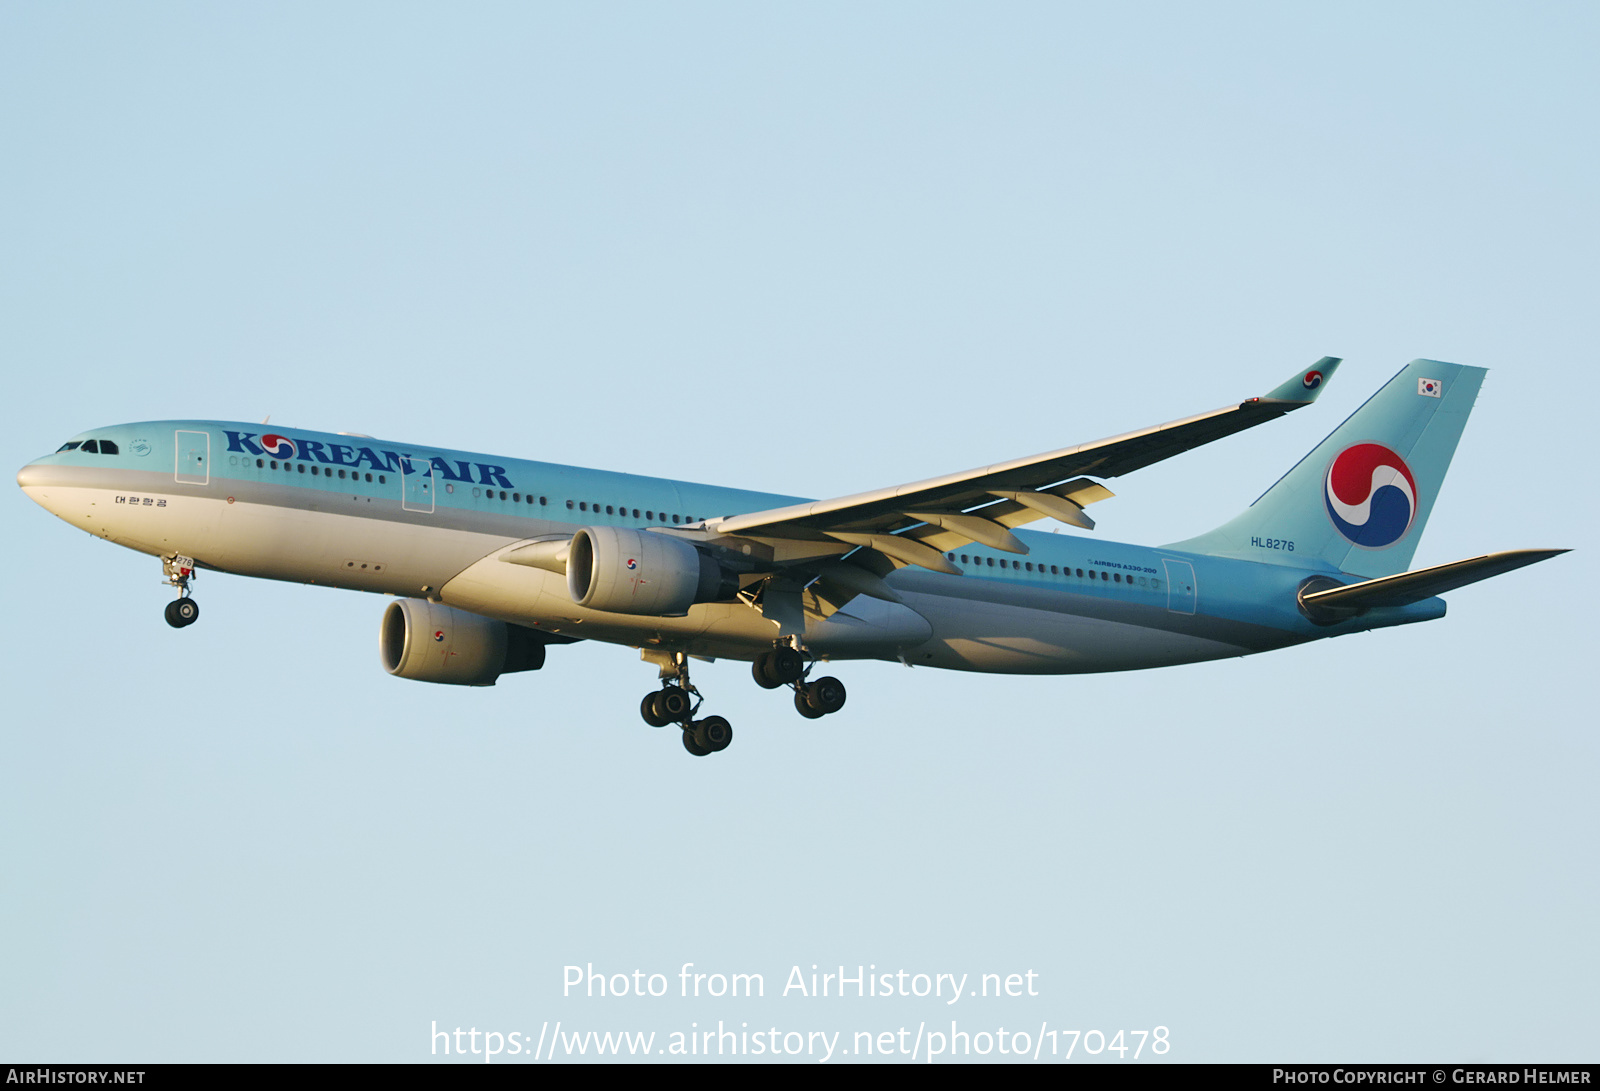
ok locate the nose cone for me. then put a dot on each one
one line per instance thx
(30, 476)
(36, 480)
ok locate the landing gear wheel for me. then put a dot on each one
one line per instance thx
(802, 705)
(672, 704)
(714, 732)
(779, 667)
(786, 665)
(826, 695)
(647, 709)
(693, 745)
(182, 612)
(758, 669)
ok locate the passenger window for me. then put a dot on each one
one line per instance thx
(610, 510)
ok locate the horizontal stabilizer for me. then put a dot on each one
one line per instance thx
(1424, 583)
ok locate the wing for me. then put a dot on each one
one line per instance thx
(917, 523)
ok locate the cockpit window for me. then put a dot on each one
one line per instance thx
(91, 446)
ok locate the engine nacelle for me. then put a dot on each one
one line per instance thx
(625, 571)
(430, 642)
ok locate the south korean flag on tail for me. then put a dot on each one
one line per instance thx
(1430, 388)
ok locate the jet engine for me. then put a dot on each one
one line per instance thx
(430, 642)
(627, 571)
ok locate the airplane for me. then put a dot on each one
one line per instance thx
(491, 561)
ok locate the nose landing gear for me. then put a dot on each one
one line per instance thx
(182, 611)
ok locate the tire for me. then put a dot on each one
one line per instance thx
(826, 695)
(802, 705)
(758, 670)
(691, 744)
(673, 703)
(718, 733)
(171, 614)
(647, 710)
(183, 612)
(785, 665)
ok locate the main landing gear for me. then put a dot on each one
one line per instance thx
(182, 611)
(676, 702)
(786, 666)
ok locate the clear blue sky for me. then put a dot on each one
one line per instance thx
(810, 249)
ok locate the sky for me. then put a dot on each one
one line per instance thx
(812, 250)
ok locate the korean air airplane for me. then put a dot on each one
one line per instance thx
(491, 560)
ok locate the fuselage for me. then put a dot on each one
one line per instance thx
(409, 520)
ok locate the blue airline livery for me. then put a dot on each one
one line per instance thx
(493, 560)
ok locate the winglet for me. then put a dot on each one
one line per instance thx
(1304, 387)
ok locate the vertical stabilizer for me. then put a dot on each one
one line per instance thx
(1359, 501)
